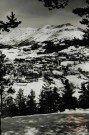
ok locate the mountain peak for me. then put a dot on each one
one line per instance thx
(56, 26)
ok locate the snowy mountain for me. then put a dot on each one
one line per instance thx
(46, 33)
(17, 36)
(60, 32)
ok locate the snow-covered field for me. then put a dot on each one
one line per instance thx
(11, 54)
(77, 80)
(27, 87)
(84, 66)
(73, 50)
(36, 86)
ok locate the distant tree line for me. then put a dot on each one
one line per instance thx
(49, 101)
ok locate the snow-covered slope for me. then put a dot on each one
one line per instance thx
(17, 36)
(48, 32)
(1, 36)
(61, 32)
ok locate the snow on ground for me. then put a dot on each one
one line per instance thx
(17, 35)
(76, 93)
(30, 131)
(56, 72)
(77, 80)
(11, 54)
(36, 86)
(24, 56)
(14, 53)
(71, 34)
(1, 36)
(76, 111)
(73, 50)
(84, 66)
(65, 63)
(58, 83)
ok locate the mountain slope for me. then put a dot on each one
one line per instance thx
(60, 32)
(46, 33)
(17, 36)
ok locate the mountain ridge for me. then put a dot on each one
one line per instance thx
(46, 33)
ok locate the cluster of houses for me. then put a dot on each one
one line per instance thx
(31, 68)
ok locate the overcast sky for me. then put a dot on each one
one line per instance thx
(32, 13)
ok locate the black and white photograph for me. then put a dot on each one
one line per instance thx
(44, 67)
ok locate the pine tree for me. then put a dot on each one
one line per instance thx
(42, 102)
(2, 81)
(31, 103)
(56, 100)
(10, 108)
(21, 102)
(11, 23)
(69, 102)
(84, 97)
(49, 100)
(51, 4)
(10, 91)
(84, 12)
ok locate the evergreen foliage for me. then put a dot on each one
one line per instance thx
(84, 13)
(69, 101)
(2, 81)
(10, 91)
(21, 102)
(84, 97)
(31, 103)
(10, 108)
(51, 4)
(11, 23)
(49, 100)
